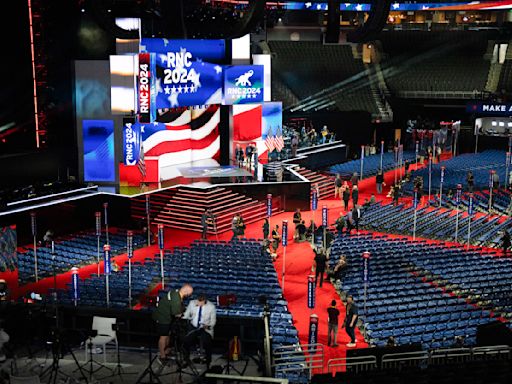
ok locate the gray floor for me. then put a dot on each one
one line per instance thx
(133, 363)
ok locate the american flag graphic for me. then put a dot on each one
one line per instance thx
(184, 136)
(142, 162)
(270, 141)
(278, 139)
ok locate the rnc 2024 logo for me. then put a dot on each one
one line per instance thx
(247, 86)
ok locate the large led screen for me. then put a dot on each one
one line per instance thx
(98, 142)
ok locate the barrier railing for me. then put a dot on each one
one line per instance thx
(404, 360)
(304, 358)
(352, 364)
(215, 378)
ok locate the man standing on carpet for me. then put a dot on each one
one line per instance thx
(276, 238)
(320, 263)
(356, 216)
(351, 320)
(206, 221)
(355, 195)
(337, 186)
(332, 325)
(346, 197)
(340, 224)
(379, 181)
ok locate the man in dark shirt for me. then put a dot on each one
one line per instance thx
(356, 216)
(340, 223)
(301, 232)
(320, 262)
(275, 238)
(206, 221)
(379, 181)
(351, 320)
(170, 307)
(332, 324)
(470, 180)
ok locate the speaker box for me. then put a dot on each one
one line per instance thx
(495, 333)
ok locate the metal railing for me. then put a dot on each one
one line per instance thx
(244, 379)
(304, 358)
(405, 360)
(352, 364)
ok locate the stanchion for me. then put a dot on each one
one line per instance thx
(324, 224)
(381, 154)
(33, 224)
(129, 251)
(507, 163)
(147, 220)
(314, 207)
(105, 209)
(366, 272)
(98, 235)
(284, 241)
(491, 174)
(457, 203)
(396, 161)
(161, 246)
(362, 163)
(74, 282)
(441, 187)
(415, 204)
(429, 175)
(107, 270)
(470, 213)
(400, 159)
(269, 209)
(417, 153)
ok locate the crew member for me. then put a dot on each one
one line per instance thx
(203, 316)
(206, 221)
(169, 309)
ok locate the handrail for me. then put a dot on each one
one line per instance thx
(363, 362)
(252, 379)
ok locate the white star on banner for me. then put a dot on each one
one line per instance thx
(359, 7)
(218, 69)
(173, 100)
(142, 128)
(155, 123)
(308, 4)
(396, 6)
(179, 88)
(166, 42)
(167, 90)
(185, 88)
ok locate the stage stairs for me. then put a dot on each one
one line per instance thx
(185, 208)
(325, 183)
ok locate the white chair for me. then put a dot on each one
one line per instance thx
(105, 335)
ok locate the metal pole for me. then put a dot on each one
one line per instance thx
(35, 260)
(476, 144)
(491, 185)
(470, 213)
(130, 283)
(313, 234)
(381, 153)
(105, 206)
(98, 255)
(106, 271)
(507, 161)
(362, 162)
(415, 206)
(284, 242)
(162, 268)
(148, 220)
(429, 176)
(396, 162)
(441, 187)
(457, 201)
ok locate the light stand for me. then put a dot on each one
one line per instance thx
(153, 377)
(118, 370)
(56, 342)
(267, 341)
(90, 361)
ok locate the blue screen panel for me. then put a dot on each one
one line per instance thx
(98, 139)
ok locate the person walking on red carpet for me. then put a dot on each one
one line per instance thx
(320, 263)
(346, 196)
(333, 314)
(337, 186)
(351, 320)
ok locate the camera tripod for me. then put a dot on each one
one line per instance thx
(88, 366)
(182, 363)
(118, 370)
(58, 348)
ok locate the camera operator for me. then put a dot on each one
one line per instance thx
(203, 316)
(170, 308)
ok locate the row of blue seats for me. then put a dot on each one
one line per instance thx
(371, 164)
(78, 250)
(424, 313)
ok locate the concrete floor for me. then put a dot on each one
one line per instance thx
(133, 364)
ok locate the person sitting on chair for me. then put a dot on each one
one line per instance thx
(203, 317)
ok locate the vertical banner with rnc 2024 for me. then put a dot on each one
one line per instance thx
(146, 94)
